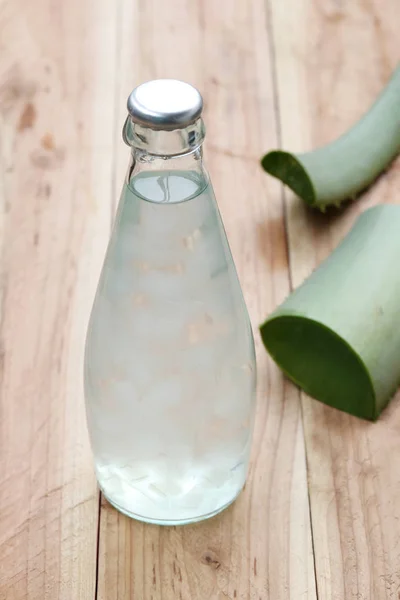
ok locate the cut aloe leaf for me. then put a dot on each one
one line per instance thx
(337, 336)
(344, 168)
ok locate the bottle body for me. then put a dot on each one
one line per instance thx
(169, 364)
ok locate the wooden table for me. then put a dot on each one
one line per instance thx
(320, 515)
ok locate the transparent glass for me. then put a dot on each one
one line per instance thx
(169, 366)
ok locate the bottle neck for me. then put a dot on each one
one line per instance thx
(161, 150)
(164, 143)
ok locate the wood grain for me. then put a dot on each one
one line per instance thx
(332, 60)
(261, 547)
(57, 100)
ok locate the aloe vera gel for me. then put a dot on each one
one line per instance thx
(170, 367)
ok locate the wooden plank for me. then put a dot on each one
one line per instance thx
(332, 60)
(57, 81)
(261, 547)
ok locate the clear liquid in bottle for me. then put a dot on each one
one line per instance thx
(169, 366)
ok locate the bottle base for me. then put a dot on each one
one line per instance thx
(170, 522)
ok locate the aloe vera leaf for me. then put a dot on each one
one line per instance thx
(338, 335)
(344, 168)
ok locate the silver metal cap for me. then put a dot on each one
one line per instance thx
(165, 104)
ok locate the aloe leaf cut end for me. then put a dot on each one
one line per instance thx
(286, 167)
(322, 363)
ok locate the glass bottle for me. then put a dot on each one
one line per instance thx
(169, 363)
